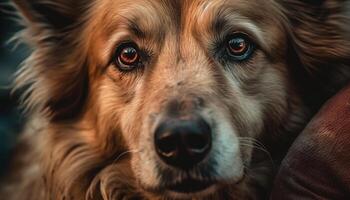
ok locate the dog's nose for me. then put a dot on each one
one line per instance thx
(183, 143)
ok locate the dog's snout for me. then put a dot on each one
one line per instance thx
(183, 143)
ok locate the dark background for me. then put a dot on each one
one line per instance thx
(11, 119)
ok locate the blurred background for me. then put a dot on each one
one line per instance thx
(10, 118)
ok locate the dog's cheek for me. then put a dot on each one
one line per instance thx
(144, 160)
(108, 108)
(144, 168)
(250, 103)
(138, 142)
(226, 149)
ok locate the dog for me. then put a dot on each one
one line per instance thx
(170, 99)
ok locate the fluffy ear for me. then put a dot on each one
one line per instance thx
(55, 74)
(321, 39)
(57, 14)
(321, 29)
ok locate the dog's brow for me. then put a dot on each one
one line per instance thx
(135, 28)
(218, 24)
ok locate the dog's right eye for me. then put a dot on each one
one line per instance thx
(127, 56)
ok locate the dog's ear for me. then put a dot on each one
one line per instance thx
(55, 14)
(319, 25)
(321, 38)
(55, 75)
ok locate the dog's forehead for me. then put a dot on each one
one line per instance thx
(158, 15)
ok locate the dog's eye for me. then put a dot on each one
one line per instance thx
(239, 46)
(127, 56)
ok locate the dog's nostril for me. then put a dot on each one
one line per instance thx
(167, 145)
(183, 143)
(197, 143)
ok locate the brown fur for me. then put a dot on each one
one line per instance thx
(86, 118)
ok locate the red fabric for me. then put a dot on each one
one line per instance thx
(318, 164)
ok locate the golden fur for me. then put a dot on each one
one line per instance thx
(90, 125)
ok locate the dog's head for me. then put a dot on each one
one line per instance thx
(188, 85)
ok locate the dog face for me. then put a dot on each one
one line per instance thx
(190, 84)
(188, 87)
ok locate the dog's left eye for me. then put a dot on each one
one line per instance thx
(239, 46)
(127, 56)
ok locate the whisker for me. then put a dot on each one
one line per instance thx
(255, 147)
(256, 144)
(125, 153)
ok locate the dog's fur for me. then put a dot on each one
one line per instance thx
(89, 134)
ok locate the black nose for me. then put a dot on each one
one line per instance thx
(183, 143)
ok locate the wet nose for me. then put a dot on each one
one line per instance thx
(183, 143)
